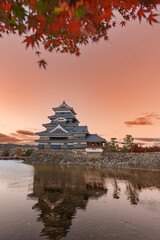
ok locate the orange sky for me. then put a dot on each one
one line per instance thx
(109, 84)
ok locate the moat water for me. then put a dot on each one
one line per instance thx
(79, 203)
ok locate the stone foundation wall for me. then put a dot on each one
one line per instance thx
(80, 157)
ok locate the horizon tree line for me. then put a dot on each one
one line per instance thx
(19, 152)
(128, 145)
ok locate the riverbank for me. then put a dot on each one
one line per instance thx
(13, 158)
(114, 160)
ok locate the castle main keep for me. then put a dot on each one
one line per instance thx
(64, 132)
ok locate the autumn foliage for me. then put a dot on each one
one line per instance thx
(63, 25)
(138, 148)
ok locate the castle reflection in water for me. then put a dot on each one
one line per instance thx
(61, 191)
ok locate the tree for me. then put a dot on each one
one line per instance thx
(63, 25)
(107, 147)
(18, 152)
(128, 143)
(113, 145)
(29, 152)
(6, 152)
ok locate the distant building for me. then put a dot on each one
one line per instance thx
(64, 132)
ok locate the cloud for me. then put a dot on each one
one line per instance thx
(147, 119)
(25, 132)
(148, 139)
(19, 137)
(139, 121)
(8, 139)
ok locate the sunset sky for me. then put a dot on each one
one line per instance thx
(113, 86)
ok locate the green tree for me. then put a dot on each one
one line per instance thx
(107, 147)
(113, 145)
(128, 143)
(29, 152)
(6, 152)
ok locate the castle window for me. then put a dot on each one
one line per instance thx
(58, 138)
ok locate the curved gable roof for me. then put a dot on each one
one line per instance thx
(64, 106)
(59, 128)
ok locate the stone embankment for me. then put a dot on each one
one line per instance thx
(114, 160)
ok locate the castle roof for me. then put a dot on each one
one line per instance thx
(64, 124)
(42, 133)
(67, 115)
(81, 129)
(94, 138)
(57, 132)
(64, 107)
(87, 138)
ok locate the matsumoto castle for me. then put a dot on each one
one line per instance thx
(64, 132)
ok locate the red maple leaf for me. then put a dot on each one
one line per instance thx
(141, 13)
(7, 7)
(33, 2)
(123, 23)
(42, 63)
(114, 24)
(40, 17)
(37, 53)
(151, 18)
(74, 27)
(31, 40)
